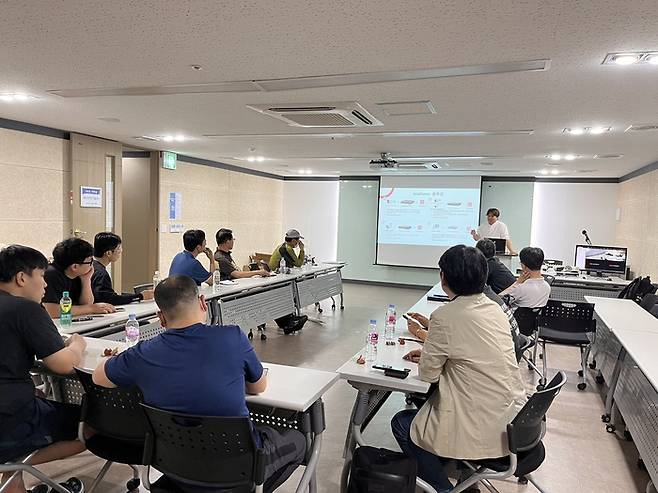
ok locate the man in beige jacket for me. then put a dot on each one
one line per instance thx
(470, 353)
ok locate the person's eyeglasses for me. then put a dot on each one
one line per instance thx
(86, 263)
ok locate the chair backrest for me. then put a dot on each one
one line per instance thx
(649, 300)
(527, 429)
(201, 450)
(567, 316)
(115, 413)
(256, 257)
(549, 279)
(526, 318)
(142, 287)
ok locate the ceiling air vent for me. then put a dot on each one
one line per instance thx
(346, 114)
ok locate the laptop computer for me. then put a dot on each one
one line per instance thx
(500, 243)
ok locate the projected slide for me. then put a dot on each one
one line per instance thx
(420, 217)
(432, 217)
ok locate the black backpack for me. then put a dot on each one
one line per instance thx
(378, 470)
(637, 289)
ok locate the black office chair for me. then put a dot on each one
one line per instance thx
(549, 279)
(202, 451)
(524, 440)
(18, 465)
(649, 301)
(120, 427)
(142, 287)
(567, 323)
(526, 318)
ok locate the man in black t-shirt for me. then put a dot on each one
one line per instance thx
(500, 277)
(71, 271)
(107, 250)
(29, 423)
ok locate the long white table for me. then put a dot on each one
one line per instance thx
(373, 387)
(246, 302)
(625, 349)
(293, 398)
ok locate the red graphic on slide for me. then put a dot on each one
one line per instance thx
(387, 195)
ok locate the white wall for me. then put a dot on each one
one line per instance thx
(562, 210)
(312, 208)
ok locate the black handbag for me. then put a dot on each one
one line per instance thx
(378, 470)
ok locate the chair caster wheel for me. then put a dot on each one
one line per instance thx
(599, 379)
(263, 337)
(408, 400)
(580, 373)
(540, 387)
(605, 418)
(541, 355)
(592, 365)
(250, 336)
(342, 307)
(333, 307)
(133, 484)
(627, 436)
(529, 367)
(610, 428)
(523, 480)
(582, 386)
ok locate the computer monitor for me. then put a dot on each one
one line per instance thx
(500, 245)
(594, 258)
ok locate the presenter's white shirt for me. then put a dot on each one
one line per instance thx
(495, 230)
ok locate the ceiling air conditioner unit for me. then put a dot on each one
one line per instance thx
(347, 114)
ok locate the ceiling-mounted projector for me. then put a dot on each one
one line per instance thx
(384, 162)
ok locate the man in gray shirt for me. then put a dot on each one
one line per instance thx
(225, 263)
(530, 290)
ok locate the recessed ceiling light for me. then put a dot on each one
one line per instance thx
(555, 157)
(631, 58)
(17, 97)
(255, 159)
(587, 130)
(555, 171)
(569, 157)
(625, 59)
(179, 138)
(168, 138)
(196, 67)
(543, 171)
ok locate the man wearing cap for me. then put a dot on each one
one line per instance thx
(286, 251)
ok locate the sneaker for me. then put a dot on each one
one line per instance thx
(74, 485)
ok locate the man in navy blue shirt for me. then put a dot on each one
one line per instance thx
(186, 263)
(195, 368)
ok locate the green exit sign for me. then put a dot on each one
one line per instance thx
(169, 160)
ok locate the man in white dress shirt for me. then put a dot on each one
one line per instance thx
(494, 229)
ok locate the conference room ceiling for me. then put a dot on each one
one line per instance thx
(510, 121)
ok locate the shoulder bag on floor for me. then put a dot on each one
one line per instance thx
(378, 470)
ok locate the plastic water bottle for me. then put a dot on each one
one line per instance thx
(132, 330)
(65, 305)
(156, 278)
(389, 327)
(282, 266)
(371, 342)
(216, 279)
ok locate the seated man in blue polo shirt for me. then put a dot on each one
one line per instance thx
(186, 263)
(195, 368)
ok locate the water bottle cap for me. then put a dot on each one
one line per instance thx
(66, 293)
(373, 322)
(391, 306)
(157, 272)
(132, 316)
